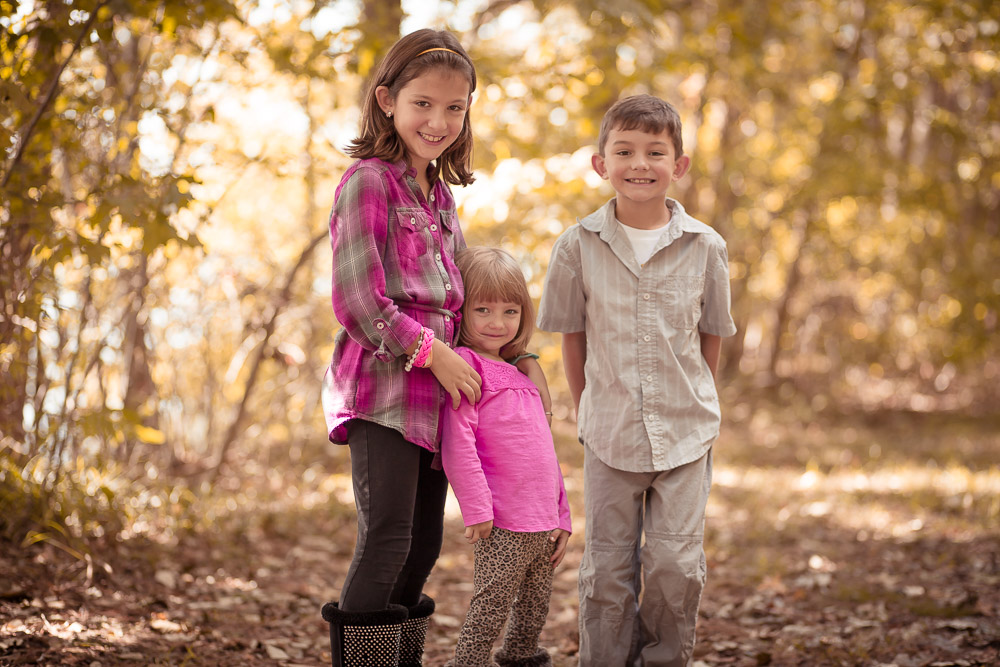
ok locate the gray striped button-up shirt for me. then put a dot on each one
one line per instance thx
(649, 402)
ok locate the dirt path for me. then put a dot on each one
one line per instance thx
(920, 602)
(807, 566)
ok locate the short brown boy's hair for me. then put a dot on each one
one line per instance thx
(492, 274)
(645, 113)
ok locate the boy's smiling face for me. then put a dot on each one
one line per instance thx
(640, 165)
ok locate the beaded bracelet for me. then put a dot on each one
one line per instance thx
(424, 355)
(416, 351)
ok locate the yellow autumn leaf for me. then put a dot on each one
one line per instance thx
(152, 436)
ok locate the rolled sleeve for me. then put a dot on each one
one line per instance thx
(358, 237)
(563, 304)
(715, 315)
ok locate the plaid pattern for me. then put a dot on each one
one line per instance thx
(393, 273)
(649, 402)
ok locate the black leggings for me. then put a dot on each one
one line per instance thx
(400, 501)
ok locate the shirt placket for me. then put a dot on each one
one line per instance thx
(430, 206)
(649, 379)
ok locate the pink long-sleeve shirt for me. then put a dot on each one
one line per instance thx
(499, 456)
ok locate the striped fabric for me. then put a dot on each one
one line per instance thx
(649, 402)
(393, 272)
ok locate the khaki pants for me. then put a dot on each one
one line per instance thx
(639, 599)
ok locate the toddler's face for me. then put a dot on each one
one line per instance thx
(489, 325)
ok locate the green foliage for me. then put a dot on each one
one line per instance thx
(83, 504)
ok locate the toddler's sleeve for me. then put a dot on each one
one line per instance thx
(565, 521)
(460, 459)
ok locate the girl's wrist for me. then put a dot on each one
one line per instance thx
(422, 352)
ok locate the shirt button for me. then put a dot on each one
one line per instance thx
(649, 378)
(447, 318)
(646, 338)
(447, 286)
(645, 296)
(432, 197)
(380, 325)
(413, 221)
(437, 256)
(434, 228)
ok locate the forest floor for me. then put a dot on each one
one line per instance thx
(839, 540)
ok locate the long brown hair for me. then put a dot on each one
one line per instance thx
(492, 274)
(405, 62)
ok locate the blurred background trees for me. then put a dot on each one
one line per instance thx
(168, 168)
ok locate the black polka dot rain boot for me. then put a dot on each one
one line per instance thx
(364, 638)
(413, 633)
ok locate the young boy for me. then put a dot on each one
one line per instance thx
(640, 291)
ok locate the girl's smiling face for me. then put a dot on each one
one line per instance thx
(428, 113)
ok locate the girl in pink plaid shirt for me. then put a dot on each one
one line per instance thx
(396, 293)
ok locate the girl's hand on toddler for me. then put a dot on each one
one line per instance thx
(560, 537)
(476, 531)
(455, 374)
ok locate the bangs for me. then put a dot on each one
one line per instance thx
(645, 123)
(488, 285)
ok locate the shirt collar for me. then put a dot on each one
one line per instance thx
(400, 169)
(603, 220)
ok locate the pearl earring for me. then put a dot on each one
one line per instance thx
(388, 114)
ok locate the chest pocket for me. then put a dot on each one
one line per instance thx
(448, 223)
(413, 235)
(682, 300)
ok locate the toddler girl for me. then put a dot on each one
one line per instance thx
(501, 462)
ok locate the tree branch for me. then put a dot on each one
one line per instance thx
(50, 93)
(283, 299)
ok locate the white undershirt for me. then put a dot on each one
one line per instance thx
(643, 241)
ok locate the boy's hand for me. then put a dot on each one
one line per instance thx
(455, 374)
(476, 531)
(560, 537)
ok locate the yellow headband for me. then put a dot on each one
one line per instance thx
(439, 48)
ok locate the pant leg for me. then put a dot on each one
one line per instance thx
(386, 472)
(426, 535)
(673, 561)
(500, 562)
(531, 606)
(610, 569)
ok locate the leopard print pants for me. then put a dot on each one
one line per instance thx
(512, 576)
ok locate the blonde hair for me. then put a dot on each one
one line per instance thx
(492, 274)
